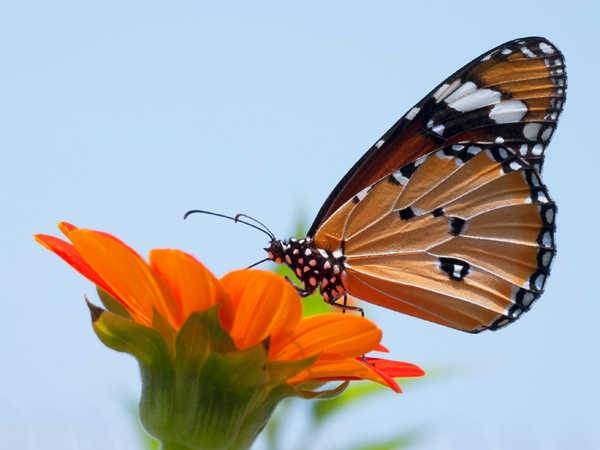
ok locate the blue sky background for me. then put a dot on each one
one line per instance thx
(121, 116)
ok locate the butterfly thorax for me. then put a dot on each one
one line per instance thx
(312, 265)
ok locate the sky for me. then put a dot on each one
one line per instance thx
(121, 116)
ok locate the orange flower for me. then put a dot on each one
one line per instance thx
(255, 305)
(217, 356)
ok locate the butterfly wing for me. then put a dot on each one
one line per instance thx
(463, 237)
(513, 94)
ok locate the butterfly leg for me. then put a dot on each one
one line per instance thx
(345, 307)
(301, 292)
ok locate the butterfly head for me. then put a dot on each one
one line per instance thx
(276, 251)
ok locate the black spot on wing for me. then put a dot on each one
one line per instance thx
(455, 225)
(406, 213)
(438, 212)
(456, 269)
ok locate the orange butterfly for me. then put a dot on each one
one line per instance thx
(446, 217)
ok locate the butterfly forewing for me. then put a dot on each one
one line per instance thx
(512, 95)
(462, 237)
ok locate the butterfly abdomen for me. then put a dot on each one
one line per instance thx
(313, 266)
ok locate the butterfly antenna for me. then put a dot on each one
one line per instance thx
(194, 211)
(256, 264)
(260, 223)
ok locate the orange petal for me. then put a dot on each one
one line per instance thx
(396, 369)
(266, 305)
(192, 284)
(336, 334)
(343, 369)
(72, 257)
(66, 228)
(128, 275)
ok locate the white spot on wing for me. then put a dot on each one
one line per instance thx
(361, 195)
(507, 112)
(527, 52)
(527, 299)
(412, 113)
(379, 143)
(538, 149)
(523, 149)
(506, 51)
(499, 140)
(399, 177)
(550, 215)
(515, 165)
(539, 281)
(547, 133)
(447, 91)
(531, 130)
(439, 129)
(546, 258)
(463, 90)
(337, 254)
(440, 91)
(476, 99)
(547, 239)
(546, 48)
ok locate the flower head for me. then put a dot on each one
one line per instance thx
(242, 335)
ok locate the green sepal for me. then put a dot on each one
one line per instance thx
(201, 335)
(112, 304)
(123, 335)
(324, 395)
(280, 371)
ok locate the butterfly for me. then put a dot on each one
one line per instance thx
(446, 218)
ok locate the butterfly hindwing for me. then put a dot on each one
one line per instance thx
(463, 237)
(512, 95)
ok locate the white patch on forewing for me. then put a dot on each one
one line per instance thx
(440, 154)
(546, 48)
(550, 215)
(473, 150)
(547, 133)
(538, 149)
(465, 89)
(439, 129)
(506, 51)
(337, 254)
(412, 113)
(531, 130)
(477, 99)
(527, 52)
(440, 91)
(447, 91)
(379, 143)
(542, 197)
(507, 112)
(499, 140)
